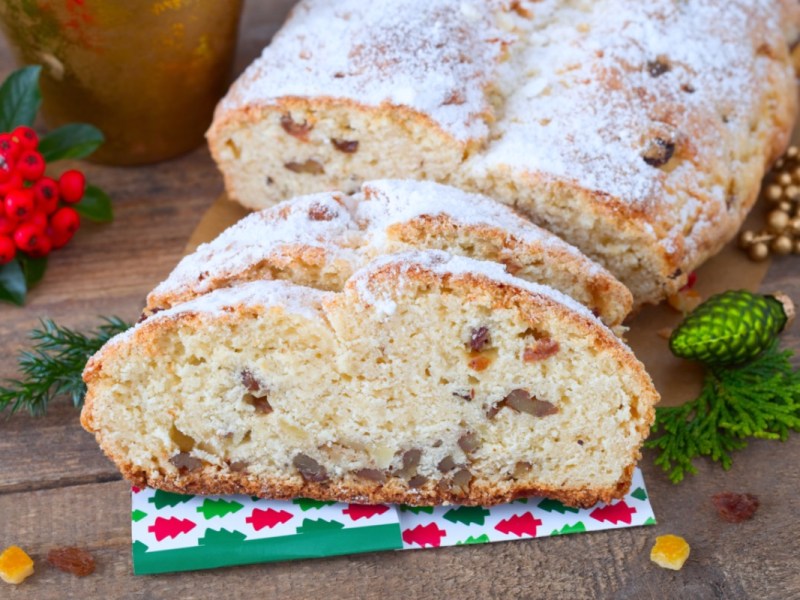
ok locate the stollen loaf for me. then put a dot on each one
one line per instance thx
(429, 379)
(637, 131)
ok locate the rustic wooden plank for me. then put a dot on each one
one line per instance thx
(51, 451)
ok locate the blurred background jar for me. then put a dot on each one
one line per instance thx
(147, 73)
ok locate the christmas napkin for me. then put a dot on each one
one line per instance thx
(172, 532)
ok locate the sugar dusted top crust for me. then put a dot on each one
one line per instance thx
(571, 93)
(350, 229)
(444, 263)
(433, 56)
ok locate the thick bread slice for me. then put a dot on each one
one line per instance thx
(637, 131)
(321, 239)
(429, 379)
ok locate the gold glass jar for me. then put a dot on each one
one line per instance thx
(148, 73)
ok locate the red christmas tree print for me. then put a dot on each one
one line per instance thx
(614, 513)
(172, 527)
(364, 511)
(424, 535)
(519, 525)
(135, 489)
(267, 518)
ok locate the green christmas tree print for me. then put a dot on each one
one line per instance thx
(214, 537)
(311, 525)
(137, 515)
(467, 515)
(218, 508)
(639, 494)
(578, 527)
(555, 506)
(307, 503)
(481, 539)
(416, 509)
(164, 499)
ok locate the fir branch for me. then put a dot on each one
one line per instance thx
(760, 399)
(54, 365)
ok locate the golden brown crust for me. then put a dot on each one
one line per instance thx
(218, 482)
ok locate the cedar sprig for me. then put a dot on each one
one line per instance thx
(760, 399)
(54, 365)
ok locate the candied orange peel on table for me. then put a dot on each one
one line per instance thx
(15, 565)
(670, 552)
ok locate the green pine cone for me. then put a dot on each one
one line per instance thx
(730, 328)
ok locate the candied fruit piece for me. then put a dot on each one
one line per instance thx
(670, 552)
(15, 565)
(72, 560)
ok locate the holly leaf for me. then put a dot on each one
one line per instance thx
(20, 98)
(33, 269)
(75, 140)
(95, 205)
(12, 283)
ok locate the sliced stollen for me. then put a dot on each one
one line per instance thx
(321, 239)
(637, 131)
(429, 379)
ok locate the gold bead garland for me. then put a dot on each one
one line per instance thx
(781, 236)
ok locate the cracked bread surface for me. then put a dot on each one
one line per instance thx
(639, 132)
(429, 379)
(320, 240)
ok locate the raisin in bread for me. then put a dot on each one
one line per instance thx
(637, 131)
(429, 379)
(321, 239)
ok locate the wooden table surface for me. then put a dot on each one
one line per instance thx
(57, 488)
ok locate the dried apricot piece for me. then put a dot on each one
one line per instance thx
(670, 552)
(15, 565)
(72, 560)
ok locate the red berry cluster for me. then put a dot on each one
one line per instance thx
(35, 216)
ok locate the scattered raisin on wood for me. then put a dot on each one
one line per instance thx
(735, 508)
(72, 560)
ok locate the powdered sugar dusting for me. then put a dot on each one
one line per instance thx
(444, 263)
(293, 299)
(392, 201)
(598, 83)
(431, 55)
(572, 92)
(350, 230)
(317, 220)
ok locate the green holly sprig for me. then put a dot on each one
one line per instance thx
(20, 100)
